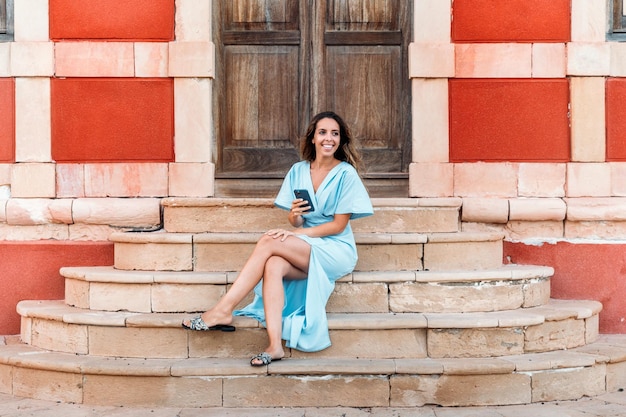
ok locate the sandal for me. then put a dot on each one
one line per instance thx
(265, 359)
(198, 324)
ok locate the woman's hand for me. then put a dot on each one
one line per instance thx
(298, 208)
(280, 233)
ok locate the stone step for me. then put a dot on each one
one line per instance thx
(558, 325)
(227, 215)
(504, 288)
(223, 252)
(571, 374)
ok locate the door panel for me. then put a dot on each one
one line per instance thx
(281, 61)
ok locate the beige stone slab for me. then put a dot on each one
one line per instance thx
(216, 367)
(595, 230)
(153, 256)
(541, 179)
(77, 293)
(115, 297)
(474, 343)
(382, 276)
(612, 353)
(48, 385)
(460, 390)
(186, 277)
(121, 212)
(137, 342)
(431, 179)
(60, 337)
(155, 391)
(332, 366)
(309, 391)
(359, 298)
(98, 318)
(242, 343)
(432, 298)
(568, 384)
(174, 298)
(615, 376)
(555, 335)
(476, 366)
(486, 210)
(94, 365)
(373, 344)
(530, 362)
(380, 321)
(409, 220)
(222, 219)
(536, 293)
(217, 257)
(426, 366)
(6, 379)
(389, 257)
(462, 255)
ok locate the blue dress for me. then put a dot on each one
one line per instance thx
(305, 326)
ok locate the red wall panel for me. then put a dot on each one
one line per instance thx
(112, 120)
(582, 272)
(511, 20)
(509, 120)
(112, 19)
(7, 120)
(30, 271)
(616, 119)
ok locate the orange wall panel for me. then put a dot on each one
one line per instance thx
(7, 120)
(615, 119)
(509, 120)
(130, 20)
(582, 272)
(112, 120)
(30, 271)
(511, 20)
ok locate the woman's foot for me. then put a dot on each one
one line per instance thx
(265, 358)
(210, 320)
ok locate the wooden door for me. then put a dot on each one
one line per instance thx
(279, 62)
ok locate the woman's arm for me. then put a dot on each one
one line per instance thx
(333, 227)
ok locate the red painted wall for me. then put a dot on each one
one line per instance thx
(112, 120)
(7, 120)
(30, 271)
(615, 119)
(511, 20)
(582, 272)
(128, 20)
(509, 120)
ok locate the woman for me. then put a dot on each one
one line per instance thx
(293, 272)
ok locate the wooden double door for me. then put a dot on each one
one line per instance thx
(279, 62)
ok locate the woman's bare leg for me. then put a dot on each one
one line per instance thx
(293, 249)
(276, 269)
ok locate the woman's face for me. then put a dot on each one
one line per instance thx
(327, 137)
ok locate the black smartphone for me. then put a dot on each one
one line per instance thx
(304, 194)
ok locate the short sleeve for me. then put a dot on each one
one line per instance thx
(285, 195)
(353, 196)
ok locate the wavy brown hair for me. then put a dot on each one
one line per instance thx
(347, 150)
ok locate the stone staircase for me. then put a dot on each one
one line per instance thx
(429, 316)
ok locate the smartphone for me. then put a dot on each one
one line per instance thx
(304, 194)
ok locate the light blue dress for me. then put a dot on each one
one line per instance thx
(305, 326)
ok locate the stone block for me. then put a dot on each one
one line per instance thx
(548, 60)
(59, 336)
(554, 335)
(588, 119)
(481, 179)
(32, 121)
(592, 328)
(462, 255)
(618, 59)
(536, 293)
(108, 296)
(493, 60)
(6, 379)
(119, 212)
(151, 59)
(616, 376)
(589, 59)
(431, 21)
(568, 384)
(431, 60)
(48, 385)
(541, 180)
(588, 180)
(126, 180)
(95, 59)
(137, 342)
(618, 179)
(359, 298)
(171, 298)
(374, 344)
(485, 210)
(431, 179)
(537, 209)
(387, 257)
(475, 343)
(84, 232)
(70, 181)
(216, 257)
(307, 391)
(460, 390)
(154, 256)
(32, 59)
(589, 19)
(191, 59)
(191, 179)
(192, 19)
(34, 211)
(5, 59)
(30, 20)
(398, 219)
(193, 119)
(76, 293)
(242, 343)
(409, 297)
(33, 180)
(121, 390)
